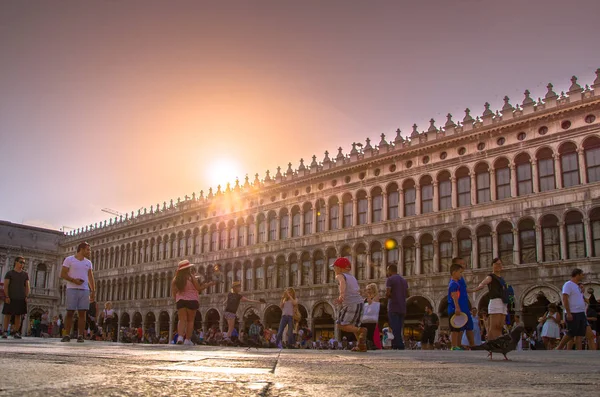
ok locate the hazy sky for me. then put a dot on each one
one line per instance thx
(123, 104)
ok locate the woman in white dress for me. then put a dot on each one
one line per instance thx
(551, 327)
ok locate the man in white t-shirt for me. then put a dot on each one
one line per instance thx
(77, 271)
(574, 305)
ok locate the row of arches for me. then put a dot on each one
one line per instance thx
(546, 169)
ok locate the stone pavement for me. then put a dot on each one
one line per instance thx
(46, 367)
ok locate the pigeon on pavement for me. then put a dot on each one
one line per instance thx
(504, 344)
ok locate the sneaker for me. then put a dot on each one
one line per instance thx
(188, 343)
(180, 340)
(17, 335)
(279, 345)
(66, 338)
(455, 348)
(5, 335)
(80, 339)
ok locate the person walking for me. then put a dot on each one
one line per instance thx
(287, 305)
(77, 271)
(550, 326)
(574, 306)
(498, 294)
(351, 303)
(185, 288)
(458, 302)
(16, 291)
(232, 305)
(429, 324)
(109, 321)
(396, 293)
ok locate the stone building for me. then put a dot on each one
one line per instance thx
(40, 249)
(521, 183)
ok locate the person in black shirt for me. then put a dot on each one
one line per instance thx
(232, 305)
(429, 324)
(16, 290)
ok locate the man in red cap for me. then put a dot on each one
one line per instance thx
(351, 303)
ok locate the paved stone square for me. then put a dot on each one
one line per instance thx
(36, 367)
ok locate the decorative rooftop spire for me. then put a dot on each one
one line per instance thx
(171, 206)
(301, 167)
(527, 101)
(201, 197)
(368, 145)
(256, 180)
(468, 118)
(449, 122)
(278, 174)
(340, 155)
(415, 132)
(326, 159)
(289, 171)
(575, 88)
(487, 112)
(383, 142)
(398, 139)
(314, 163)
(247, 182)
(228, 189)
(219, 190)
(268, 176)
(596, 84)
(550, 94)
(237, 185)
(210, 193)
(432, 127)
(193, 199)
(507, 108)
(353, 151)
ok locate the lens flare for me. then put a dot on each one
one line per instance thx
(390, 244)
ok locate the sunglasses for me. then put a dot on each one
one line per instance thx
(21, 261)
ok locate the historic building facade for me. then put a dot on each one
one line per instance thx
(40, 249)
(522, 184)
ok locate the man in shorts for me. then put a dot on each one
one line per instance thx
(77, 271)
(16, 290)
(574, 304)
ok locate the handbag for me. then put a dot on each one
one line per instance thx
(370, 312)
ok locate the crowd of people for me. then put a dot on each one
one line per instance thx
(572, 325)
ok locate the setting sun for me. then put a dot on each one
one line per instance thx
(222, 171)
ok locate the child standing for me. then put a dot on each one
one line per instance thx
(351, 303)
(232, 305)
(185, 288)
(457, 303)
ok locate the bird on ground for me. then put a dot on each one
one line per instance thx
(504, 344)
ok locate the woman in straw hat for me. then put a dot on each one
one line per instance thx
(184, 289)
(231, 307)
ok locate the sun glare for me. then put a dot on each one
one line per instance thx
(221, 171)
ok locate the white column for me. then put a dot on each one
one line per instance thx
(436, 195)
(494, 244)
(516, 247)
(534, 176)
(474, 252)
(369, 210)
(563, 240)
(473, 188)
(418, 269)
(557, 171)
(539, 244)
(354, 212)
(493, 185)
(582, 168)
(417, 200)
(587, 232)
(513, 181)
(436, 256)
(401, 213)
(454, 193)
(384, 210)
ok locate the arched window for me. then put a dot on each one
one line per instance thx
(445, 244)
(284, 224)
(465, 246)
(391, 248)
(40, 276)
(161, 249)
(320, 207)
(331, 257)
(463, 187)
(251, 228)
(484, 244)
(348, 210)
(545, 167)
(334, 213)
(408, 253)
(308, 218)
(214, 239)
(569, 164)
(249, 274)
(281, 272)
(393, 200)
(377, 203)
(445, 189)
(272, 226)
(296, 220)
(592, 158)
(426, 194)
(376, 258)
(270, 273)
(550, 238)
(347, 253)
(361, 262)
(205, 241)
(197, 242)
(293, 271)
(363, 207)
(319, 267)
(524, 178)
(502, 179)
(306, 263)
(527, 241)
(190, 244)
(575, 235)
(505, 242)
(229, 280)
(427, 254)
(232, 234)
(262, 228)
(410, 197)
(482, 179)
(223, 237)
(180, 246)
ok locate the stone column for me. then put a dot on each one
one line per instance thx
(513, 181)
(436, 195)
(454, 193)
(454, 247)
(582, 168)
(417, 200)
(401, 213)
(516, 247)
(383, 267)
(368, 265)
(418, 269)
(587, 232)
(563, 240)
(354, 212)
(539, 243)
(278, 229)
(369, 210)
(534, 175)
(473, 188)
(493, 185)
(474, 252)
(340, 224)
(325, 214)
(557, 171)
(494, 244)
(315, 219)
(384, 210)
(301, 231)
(436, 256)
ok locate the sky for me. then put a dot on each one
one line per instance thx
(125, 104)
